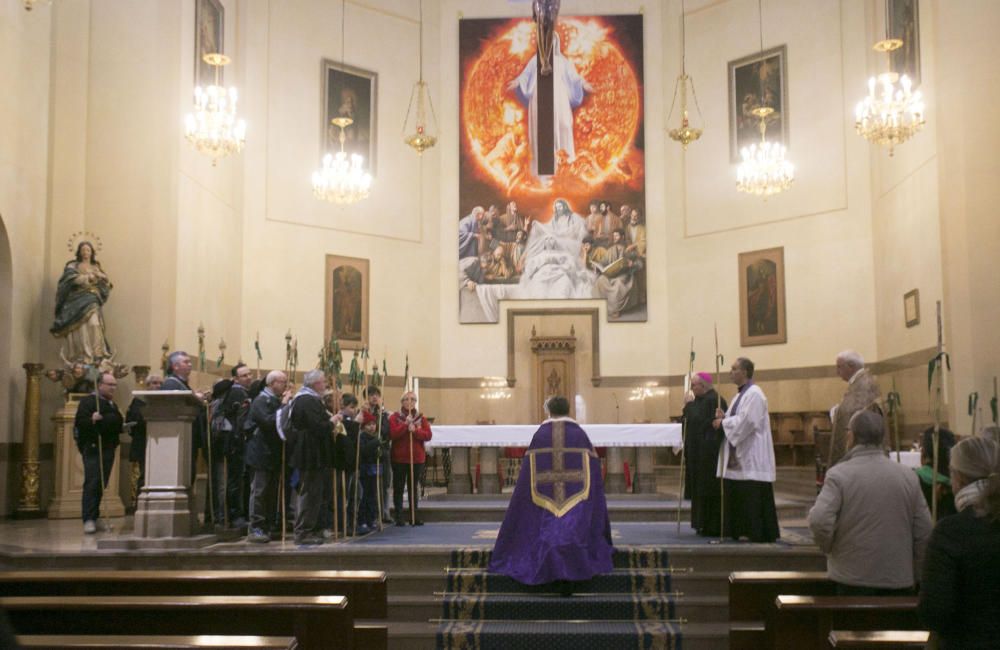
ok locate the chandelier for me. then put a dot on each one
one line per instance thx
(213, 128)
(342, 178)
(763, 170)
(420, 136)
(685, 133)
(889, 115)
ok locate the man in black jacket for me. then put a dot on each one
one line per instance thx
(98, 424)
(229, 446)
(263, 455)
(701, 455)
(376, 408)
(310, 451)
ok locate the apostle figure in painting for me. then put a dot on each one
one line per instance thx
(556, 528)
(862, 393)
(701, 454)
(568, 88)
(552, 268)
(747, 460)
(469, 232)
(80, 296)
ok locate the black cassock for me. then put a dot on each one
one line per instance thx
(701, 450)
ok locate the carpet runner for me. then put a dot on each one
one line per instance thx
(631, 607)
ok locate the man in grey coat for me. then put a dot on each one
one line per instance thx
(871, 519)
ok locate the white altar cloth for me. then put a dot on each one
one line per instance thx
(519, 435)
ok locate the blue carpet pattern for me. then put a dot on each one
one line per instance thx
(631, 607)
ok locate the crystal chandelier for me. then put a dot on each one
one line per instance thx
(889, 115)
(213, 128)
(420, 136)
(342, 178)
(763, 170)
(685, 133)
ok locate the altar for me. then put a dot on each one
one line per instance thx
(618, 438)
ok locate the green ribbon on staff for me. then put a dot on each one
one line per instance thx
(939, 360)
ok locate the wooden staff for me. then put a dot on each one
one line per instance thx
(281, 492)
(684, 422)
(894, 403)
(357, 449)
(973, 410)
(413, 511)
(936, 368)
(208, 454)
(100, 446)
(378, 467)
(722, 474)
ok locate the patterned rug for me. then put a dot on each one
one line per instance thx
(631, 607)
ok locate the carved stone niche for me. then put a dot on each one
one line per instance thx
(555, 369)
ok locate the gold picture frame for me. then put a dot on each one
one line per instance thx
(762, 297)
(911, 307)
(347, 289)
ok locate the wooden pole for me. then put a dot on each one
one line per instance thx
(680, 489)
(937, 369)
(357, 449)
(722, 473)
(208, 452)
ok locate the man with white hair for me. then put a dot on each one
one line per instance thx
(862, 393)
(701, 455)
(310, 451)
(263, 456)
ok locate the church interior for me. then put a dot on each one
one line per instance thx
(238, 243)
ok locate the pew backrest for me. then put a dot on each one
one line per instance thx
(879, 639)
(806, 621)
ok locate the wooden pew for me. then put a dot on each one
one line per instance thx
(94, 642)
(751, 600)
(879, 639)
(366, 591)
(806, 621)
(316, 622)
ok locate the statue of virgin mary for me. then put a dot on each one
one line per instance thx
(82, 291)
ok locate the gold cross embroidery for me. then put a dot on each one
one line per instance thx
(559, 504)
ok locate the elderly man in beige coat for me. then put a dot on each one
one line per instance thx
(870, 518)
(862, 393)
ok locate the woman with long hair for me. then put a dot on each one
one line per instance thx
(960, 591)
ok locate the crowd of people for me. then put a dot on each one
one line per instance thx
(340, 458)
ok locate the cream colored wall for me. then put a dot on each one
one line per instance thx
(969, 168)
(287, 232)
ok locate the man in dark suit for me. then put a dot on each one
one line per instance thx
(98, 424)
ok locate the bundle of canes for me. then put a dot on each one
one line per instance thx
(684, 423)
(718, 406)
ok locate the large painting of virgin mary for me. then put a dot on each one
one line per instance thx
(757, 80)
(349, 92)
(209, 20)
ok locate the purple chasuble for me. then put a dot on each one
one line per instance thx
(557, 526)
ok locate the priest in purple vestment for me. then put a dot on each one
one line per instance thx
(556, 527)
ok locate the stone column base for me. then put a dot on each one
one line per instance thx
(165, 512)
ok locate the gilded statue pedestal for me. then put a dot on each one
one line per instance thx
(29, 504)
(165, 516)
(67, 494)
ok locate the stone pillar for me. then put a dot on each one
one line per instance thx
(165, 517)
(29, 505)
(67, 494)
(460, 482)
(489, 477)
(646, 483)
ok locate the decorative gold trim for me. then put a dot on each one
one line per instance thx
(549, 504)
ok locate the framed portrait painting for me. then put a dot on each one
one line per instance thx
(349, 92)
(762, 297)
(757, 80)
(904, 24)
(911, 307)
(209, 20)
(347, 287)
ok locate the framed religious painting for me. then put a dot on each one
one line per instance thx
(911, 307)
(552, 168)
(757, 80)
(349, 92)
(904, 24)
(209, 22)
(762, 297)
(347, 289)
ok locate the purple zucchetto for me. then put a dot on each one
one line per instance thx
(705, 377)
